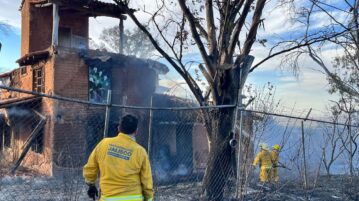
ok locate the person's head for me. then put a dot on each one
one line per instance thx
(276, 147)
(128, 124)
(264, 146)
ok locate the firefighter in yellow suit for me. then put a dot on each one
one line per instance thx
(124, 167)
(274, 177)
(264, 161)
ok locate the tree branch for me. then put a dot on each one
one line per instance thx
(307, 43)
(338, 82)
(238, 27)
(201, 30)
(196, 36)
(212, 41)
(197, 92)
(252, 34)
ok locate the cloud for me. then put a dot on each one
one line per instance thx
(309, 90)
(10, 13)
(278, 20)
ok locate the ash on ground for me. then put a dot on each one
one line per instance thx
(26, 186)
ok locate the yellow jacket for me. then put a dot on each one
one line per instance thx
(275, 157)
(124, 168)
(263, 158)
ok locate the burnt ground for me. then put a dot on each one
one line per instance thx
(327, 189)
(26, 185)
(334, 188)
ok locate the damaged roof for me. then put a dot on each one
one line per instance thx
(92, 8)
(33, 57)
(7, 74)
(120, 59)
(18, 101)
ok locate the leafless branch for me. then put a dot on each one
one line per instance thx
(189, 80)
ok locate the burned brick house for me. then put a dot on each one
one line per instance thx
(56, 60)
(51, 134)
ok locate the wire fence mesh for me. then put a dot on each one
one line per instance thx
(46, 141)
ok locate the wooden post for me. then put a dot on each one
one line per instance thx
(55, 24)
(121, 27)
(107, 115)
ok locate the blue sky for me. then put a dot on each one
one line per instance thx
(306, 91)
(10, 39)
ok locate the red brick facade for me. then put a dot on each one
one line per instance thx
(65, 73)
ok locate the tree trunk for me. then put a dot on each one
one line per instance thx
(222, 120)
(220, 158)
(350, 148)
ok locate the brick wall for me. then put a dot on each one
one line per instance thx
(71, 74)
(36, 23)
(79, 24)
(25, 28)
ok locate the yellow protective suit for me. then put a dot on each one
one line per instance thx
(124, 167)
(274, 172)
(264, 161)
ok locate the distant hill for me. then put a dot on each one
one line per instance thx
(10, 38)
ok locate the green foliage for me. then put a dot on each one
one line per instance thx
(345, 67)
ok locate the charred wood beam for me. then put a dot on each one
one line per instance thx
(35, 133)
(11, 103)
(91, 8)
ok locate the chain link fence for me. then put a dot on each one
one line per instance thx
(45, 141)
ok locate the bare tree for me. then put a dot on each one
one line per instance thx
(223, 34)
(221, 66)
(332, 147)
(344, 77)
(347, 105)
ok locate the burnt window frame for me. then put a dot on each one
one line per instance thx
(36, 77)
(15, 78)
(23, 70)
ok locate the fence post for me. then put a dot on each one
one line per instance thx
(243, 73)
(150, 129)
(304, 157)
(239, 181)
(107, 115)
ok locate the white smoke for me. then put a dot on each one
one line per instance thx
(17, 112)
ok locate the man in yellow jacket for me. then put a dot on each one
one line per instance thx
(275, 160)
(124, 167)
(264, 161)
